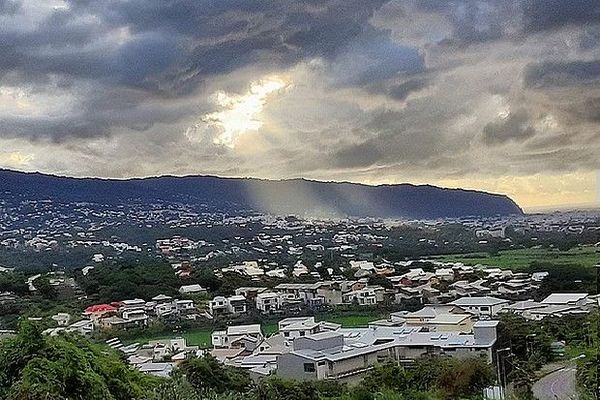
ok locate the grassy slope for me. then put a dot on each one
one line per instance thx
(521, 258)
(201, 337)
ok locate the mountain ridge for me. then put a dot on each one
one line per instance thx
(299, 196)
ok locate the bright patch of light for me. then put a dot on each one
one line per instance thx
(15, 159)
(238, 114)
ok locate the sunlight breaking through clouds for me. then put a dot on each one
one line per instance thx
(237, 113)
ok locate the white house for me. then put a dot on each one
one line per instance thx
(192, 289)
(238, 336)
(228, 305)
(485, 306)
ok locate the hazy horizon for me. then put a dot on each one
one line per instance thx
(502, 97)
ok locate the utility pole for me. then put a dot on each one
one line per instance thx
(501, 374)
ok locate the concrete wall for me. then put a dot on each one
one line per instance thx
(291, 366)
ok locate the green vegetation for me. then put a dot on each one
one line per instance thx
(194, 337)
(530, 342)
(35, 367)
(68, 367)
(202, 336)
(521, 258)
(128, 280)
(430, 379)
(354, 319)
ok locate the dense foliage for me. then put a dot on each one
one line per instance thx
(126, 281)
(35, 367)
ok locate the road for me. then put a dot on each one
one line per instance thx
(559, 385)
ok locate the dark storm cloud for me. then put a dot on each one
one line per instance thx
(586, 110)
(542, 15)
(476, 21)
(402, 90)
(222, 36)
(169, 48)
(516, 126)
(360, 155)
(562, 74)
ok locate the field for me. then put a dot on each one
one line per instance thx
(521, 258)
(201, 337)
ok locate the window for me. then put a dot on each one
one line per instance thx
(302, 333)
(286, 334)
(484, 308)
(309, 367)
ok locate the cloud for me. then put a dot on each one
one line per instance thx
(512, 126)
(375, 91)
(561, 74)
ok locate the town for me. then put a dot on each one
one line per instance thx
(293, 297)
(444, 308)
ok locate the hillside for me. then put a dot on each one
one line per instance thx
(295, 196)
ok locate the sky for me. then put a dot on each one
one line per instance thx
(502, 96)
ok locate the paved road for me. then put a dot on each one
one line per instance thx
(559, 385)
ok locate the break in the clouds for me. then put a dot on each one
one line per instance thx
(475, 93)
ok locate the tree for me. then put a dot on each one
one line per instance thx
(35, 367)
(45, 289)
(206, 374)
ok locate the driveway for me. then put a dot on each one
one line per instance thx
(559, 385)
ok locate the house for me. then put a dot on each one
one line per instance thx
(192, 289)
(228, 305)
(175, 349)
(99, 311)
(83, 327)
(485, 306)
(539, 276)
(445, 274)
(294, 327)
(554, 310)
(305, 292)
(436, 318)
(134, 304)
(369, 295)
(132, 317)
(579, 299)
(250, 292)
(269, 302)
(246, 337)
(237, 304)
(346, 355)
(557, 306)
(162, 298)
(247, 268)
(62, 319)
(160, 369)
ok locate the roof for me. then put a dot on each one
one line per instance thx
(524, 305)
(479, 301)
(158, 369)
(191, 288)
(323, 336)
(132, 302)
(486, 324)
(99, 308)
(449, 319)
(161, 297)
(243, 329)
(564, 298)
